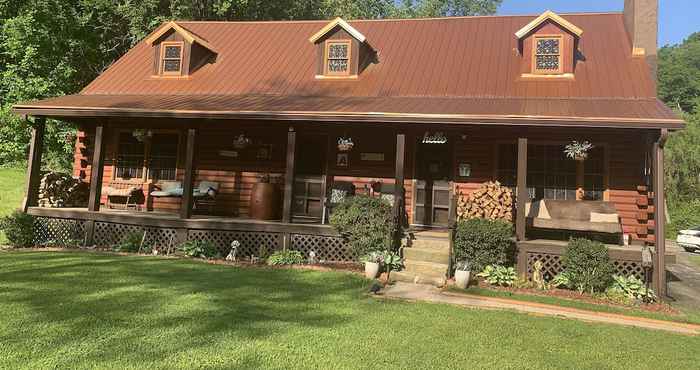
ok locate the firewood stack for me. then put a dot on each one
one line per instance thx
(491, 201)
(58, 190)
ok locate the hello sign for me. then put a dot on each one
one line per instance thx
(435, 138)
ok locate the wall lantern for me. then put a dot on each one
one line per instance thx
(435, 138)
(345, 144)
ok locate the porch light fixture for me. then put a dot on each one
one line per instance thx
(435, 138)
(345, 144)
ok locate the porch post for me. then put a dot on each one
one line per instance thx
(660, 216)
(96, 170)
(188, 183)
(289, 176)
(522, 196)
(36, 148)
(399, 178)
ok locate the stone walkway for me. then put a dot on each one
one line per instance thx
(684, 279)
(429, 293)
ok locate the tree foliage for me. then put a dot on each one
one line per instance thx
(56, 47)
(679, 74)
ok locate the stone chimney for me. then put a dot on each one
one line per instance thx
(641, 21)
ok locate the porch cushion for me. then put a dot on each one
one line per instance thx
(168, 189)
(592, 216)
(603, 217)
(123, 192)
(574, 225)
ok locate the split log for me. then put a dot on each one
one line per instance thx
(490, 200)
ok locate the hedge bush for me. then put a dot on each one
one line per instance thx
(484, 242)
(288, 257)
(588, 265)
(19, 229)
(366, 222)
(200, 249)
(131, 243)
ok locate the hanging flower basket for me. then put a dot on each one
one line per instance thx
(578, 150)
(345, 144)
(141, 135)
(241, 142)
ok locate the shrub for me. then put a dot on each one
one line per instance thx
(484, 242)
(200, 249)
(285, 258)
(562, 280)
(499, 275)
(366, 222)
(587, 265)
(19, 229)
(632, 288)
(131, 243)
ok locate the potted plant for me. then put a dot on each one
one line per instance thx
(578, 150)
(373, 262)
(392, 262)
(141, 135)
(462, 274)
(345, 144)
(241, 142)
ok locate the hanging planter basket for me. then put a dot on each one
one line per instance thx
(345, 144)
(241, 142)
(578, 150)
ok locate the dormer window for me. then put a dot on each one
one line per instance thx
(337, 58)
(547, 53)
(171, 60)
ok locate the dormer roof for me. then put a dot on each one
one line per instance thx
(338, 22)
(548, 16)
(187, 35)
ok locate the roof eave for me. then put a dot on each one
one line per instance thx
(380, 117)
(551, 16)
(335, 23)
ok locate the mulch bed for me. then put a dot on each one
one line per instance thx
(584, 297)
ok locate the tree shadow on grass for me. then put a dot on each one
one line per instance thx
(151, 310)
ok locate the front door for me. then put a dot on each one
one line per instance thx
(432, 192)
(309, 180)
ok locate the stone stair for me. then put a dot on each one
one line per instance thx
(427, 260)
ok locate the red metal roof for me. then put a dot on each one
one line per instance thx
(462, 66)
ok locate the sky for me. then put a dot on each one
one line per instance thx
(677, 18)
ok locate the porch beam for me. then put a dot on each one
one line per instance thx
(289, 176)
(188, 181)
(660, 216)
(399, 178)
(36, 148)
(97, 170)
(522, 189)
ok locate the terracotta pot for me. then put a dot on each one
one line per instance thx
(462, 278)
(264, 201)
(371, 270)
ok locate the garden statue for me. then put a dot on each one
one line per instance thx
(234, 249)
(312, 258)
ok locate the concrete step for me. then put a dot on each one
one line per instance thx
(436, 255)
(409, 277)
(431, 234)
(431, 244)
(427, 269)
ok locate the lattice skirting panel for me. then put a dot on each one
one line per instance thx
(58, 231)
(327, 248)
(109, 234)
(552, 265)
(251, 243)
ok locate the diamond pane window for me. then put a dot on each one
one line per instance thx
(547, 55)
(171, 61)
(337, 58)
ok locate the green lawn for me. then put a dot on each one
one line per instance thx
(695, 260)
(11, 191)
(80, 310)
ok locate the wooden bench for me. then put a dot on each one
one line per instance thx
(122, 194)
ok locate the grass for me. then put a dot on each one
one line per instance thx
(687, 316)
(695, 260)
(11, 192)
(83, 310)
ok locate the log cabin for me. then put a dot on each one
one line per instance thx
(419, 111)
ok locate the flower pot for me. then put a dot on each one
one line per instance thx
(580, 157)
(371, 270)
(462, 278)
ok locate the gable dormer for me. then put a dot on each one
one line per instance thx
(548, 46)
(178, 52)
(341, 51)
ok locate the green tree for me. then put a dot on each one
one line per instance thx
(679, 74)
